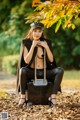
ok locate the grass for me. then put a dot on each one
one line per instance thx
(71, 78)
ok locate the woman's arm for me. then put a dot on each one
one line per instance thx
(28, 55)
(49, 54)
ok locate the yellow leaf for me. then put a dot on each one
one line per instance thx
(62, 13)
(34, 2)
(45, 22)
(39, 7)
(69, 25)
(73, 26)
(69, 20)
(49, 14)
(69, 12)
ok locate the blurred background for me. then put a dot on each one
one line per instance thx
(66, 43)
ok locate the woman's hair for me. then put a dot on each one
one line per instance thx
(30, 36)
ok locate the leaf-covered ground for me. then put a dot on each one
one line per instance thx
(68, 107)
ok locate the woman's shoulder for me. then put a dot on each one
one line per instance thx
(26, 41)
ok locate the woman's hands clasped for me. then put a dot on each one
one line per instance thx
(40, 43)
(43, 44)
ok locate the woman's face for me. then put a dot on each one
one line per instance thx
(37, 33)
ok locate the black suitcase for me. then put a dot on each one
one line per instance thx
(39, 94)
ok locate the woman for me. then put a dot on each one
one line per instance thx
(33, 46)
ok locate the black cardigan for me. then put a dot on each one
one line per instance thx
(21, 63)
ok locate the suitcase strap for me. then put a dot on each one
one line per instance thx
(35, 80)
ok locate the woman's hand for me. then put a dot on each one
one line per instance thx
(43, 44)
(35, 43)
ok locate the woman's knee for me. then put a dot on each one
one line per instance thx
(60, 70)
(22, 71)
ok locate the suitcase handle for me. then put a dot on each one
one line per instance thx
(44, 80)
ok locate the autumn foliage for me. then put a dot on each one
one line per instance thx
(63, 13)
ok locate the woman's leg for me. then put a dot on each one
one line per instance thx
(55, 75)
(24, 75)
(23, 80)
(58, 75)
